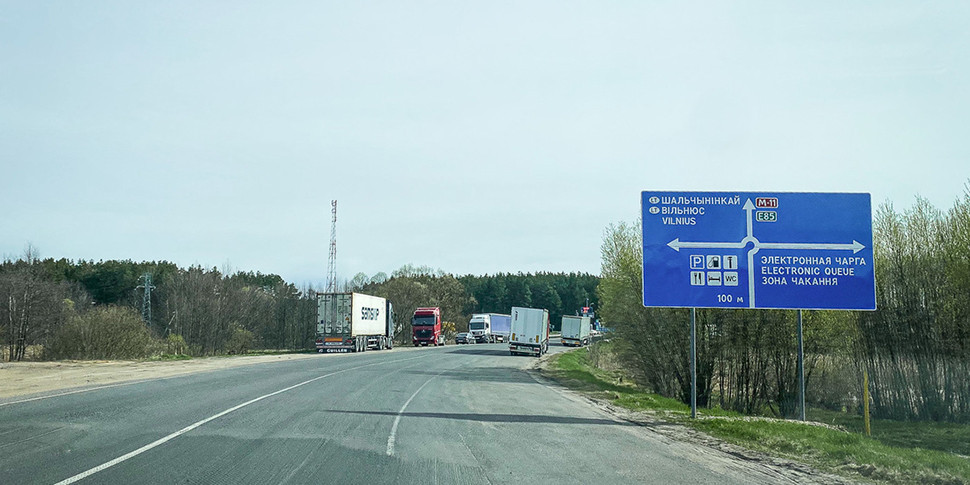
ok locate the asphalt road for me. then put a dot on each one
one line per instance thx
(454, 414)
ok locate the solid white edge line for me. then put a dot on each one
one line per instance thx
(397, 420)
(190, 427)
(38, 398)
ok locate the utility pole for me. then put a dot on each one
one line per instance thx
(332, 267)
(146, 301)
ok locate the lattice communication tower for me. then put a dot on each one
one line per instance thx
(146, 301)
(332, 266)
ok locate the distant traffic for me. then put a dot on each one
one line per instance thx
(355, 322)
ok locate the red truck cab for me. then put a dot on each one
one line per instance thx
(426, 327)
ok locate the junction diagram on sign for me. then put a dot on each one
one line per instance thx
(757, 250)
(730, 278)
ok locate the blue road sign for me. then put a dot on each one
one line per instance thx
(790, 250)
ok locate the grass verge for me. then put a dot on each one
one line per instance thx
(897, 452)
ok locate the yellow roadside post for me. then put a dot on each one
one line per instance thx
(865, 400)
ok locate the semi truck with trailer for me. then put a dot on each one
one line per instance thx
(575, 330)
(426, 327)
(530, 331)
(353, 322)
(490, 327)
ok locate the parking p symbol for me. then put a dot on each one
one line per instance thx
(696, 261)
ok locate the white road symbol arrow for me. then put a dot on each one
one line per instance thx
(749, 208)
(856, 246)
(676, 244)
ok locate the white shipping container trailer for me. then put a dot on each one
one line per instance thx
(353, 322)
(575, 330)
(490, 327)
(530, 331)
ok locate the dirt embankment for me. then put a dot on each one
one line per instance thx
(25, 378)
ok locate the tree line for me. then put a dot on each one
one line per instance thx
(63, 309)
(85, 309)
(459, 297)
(915, 347)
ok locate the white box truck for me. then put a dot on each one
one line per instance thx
(575, 330)
(530, 331)
(353, 322)
(490, 327)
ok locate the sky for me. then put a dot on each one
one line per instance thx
(473, 137)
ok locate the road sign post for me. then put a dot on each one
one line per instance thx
(758, 250)
(801, 370)
(693, 363)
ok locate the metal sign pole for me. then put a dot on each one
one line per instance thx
(693, 363)
(801, 370)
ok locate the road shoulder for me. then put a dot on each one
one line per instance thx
(19, 380)
(774, 468)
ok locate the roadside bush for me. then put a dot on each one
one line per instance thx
(836, 384)
(175, 344)
(240, 342)
(603, 356)
(449, 330)
(107, 332)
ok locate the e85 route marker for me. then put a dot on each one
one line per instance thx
(791, 250)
